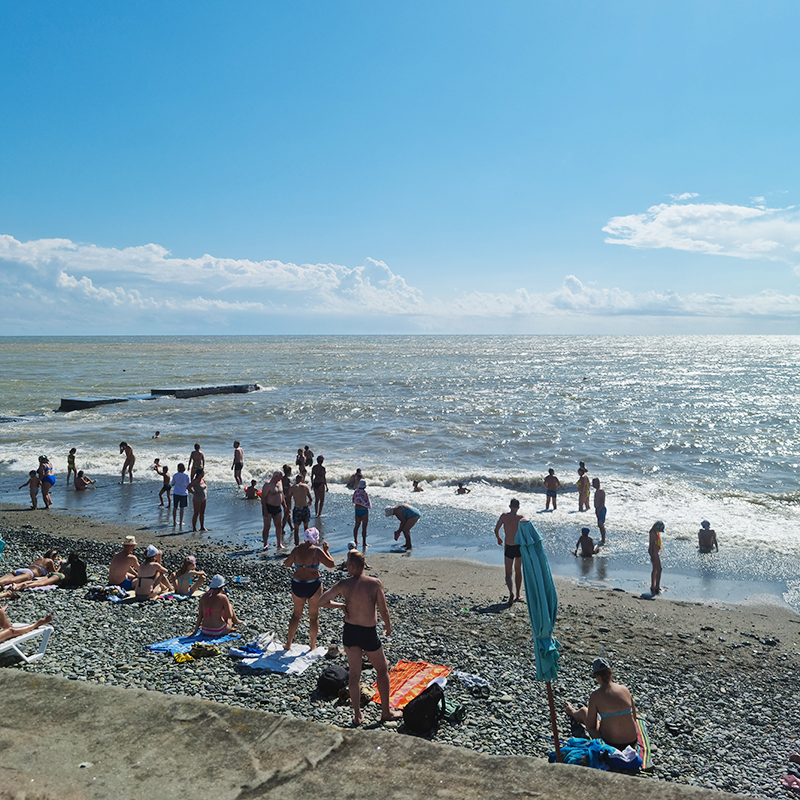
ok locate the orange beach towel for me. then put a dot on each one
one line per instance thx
(407, 679)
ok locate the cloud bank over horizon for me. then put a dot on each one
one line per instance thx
(60, 287)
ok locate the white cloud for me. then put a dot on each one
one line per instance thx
(713, 228)
(684, 196)
(156, 292)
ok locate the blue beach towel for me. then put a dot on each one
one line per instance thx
(183, 644)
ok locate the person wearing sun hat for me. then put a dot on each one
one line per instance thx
(148, 582)
(215, 614)
(611, 713)
(124, 565)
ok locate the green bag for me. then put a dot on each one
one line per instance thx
(453, 711)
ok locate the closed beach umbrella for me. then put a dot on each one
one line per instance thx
(540, 594)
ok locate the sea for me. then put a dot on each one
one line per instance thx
(677, 428)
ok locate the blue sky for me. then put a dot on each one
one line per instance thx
(362, 167)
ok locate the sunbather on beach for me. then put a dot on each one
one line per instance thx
(153, 577)
(306, 583)
(611, 714)
(36, 569)
(9, 631)
(215, 614)
(70, 573)
(188, 577)
(363, 600)
(124, 566)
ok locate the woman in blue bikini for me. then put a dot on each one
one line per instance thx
(611, 715)
(305, 559)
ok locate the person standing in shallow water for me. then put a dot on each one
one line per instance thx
(551, 485)
(130, 460)
(707, 537)
(654, 550)
(584, 489)
(600, 508)
(509, 522)
(319, 483)
(238, 462)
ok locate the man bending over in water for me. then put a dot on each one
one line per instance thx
(363, 598)
(509, 522)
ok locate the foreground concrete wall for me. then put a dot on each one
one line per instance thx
(69, 740)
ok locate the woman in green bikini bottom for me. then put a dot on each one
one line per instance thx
(611, 715)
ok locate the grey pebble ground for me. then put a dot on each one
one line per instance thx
(714, 721)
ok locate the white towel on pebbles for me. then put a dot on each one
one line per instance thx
(294, 661)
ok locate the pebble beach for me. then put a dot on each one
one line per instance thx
(716, 683)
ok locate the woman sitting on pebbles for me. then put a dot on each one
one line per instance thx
(611, 715)
(215, 614)
(307, 584)
(36, 569)
(188, 577)
(152, 574)
(9, 631)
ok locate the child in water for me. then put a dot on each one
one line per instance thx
(252, 491)
(71, 470)
(33, 483)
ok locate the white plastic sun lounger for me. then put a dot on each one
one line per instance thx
(16, 643)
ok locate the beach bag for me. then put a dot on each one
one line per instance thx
(332, 679)
(424, 712)
(453, 711)
(204, 650)
(96, 593)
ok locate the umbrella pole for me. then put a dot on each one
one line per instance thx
(553, 720)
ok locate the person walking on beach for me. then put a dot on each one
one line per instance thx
(198, 489)
(600, 508)
(286, 485)
(301, 497)
(707, 537)
(509, 522)
(130, 460)
(408, 516)
(551, 485)
(319, 483)
(300, 461)
(124, 565)
(238, 462)
(306, 583)
(196, 461)
(363, 505)
(654, 551)
(47, 479)
(584, 490)
(180, 494)
(586, 544)
(71, 469)
(33, 483)
(364, 598)
(272, 505)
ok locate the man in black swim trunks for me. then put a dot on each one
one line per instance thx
(509, 522)
(363, 598)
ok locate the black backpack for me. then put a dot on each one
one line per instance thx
(425, 710)
(332, 679)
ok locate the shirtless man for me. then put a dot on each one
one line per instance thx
(551, 484)
(462, 489)
(355, 479)
(272, 508)
(196, 461)
(124, 567)
(238, 462)
(509, 522)
(309, 456)
(130, 460)
(301, 496)
(600, 508)
(586, 544)
(707, 537)
(319, 484)
(363, 599)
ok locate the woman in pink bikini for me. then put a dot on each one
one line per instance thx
(215, 614)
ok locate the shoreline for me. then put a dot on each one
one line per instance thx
(723, 676)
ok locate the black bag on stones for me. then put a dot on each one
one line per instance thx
(425, 710)
(332, 679)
